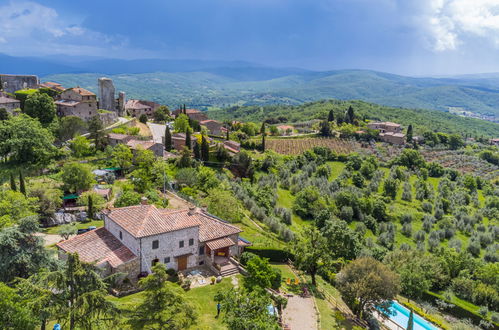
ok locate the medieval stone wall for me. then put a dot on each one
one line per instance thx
(11, 83)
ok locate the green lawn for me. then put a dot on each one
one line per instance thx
(286, 199)
(201, 298)
(78, 225)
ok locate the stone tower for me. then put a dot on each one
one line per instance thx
(106, 94)
(121, 103)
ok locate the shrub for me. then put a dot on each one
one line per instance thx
(274, 255)
(143, 118)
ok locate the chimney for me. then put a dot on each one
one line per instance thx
(192, 210)
(143, 200)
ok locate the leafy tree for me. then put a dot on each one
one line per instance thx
(12, 183)
(223, 204)
(66, 230)
(205, 149)
(164, 305)
(246, 309)
(342, 241)
(128, 198)
(409, 134)
(185, 159)
(14, 206)
(161, 114)
(455, 141)
(97, 134)
(21, 251)
(390, 188)
(76, 177)
(80, 146)
(70, 126)
(143, 118)
(366, 283)
(181, 123)
(40, 106)
(261, 274)
(168, 139)
(242, 164)
(311, 251)
(24, 140)
(4, 114)
(48, 197)
(325, 129)
(411, 159)
(308, 202)
(15, 314)
(221, 153)
(122, 156)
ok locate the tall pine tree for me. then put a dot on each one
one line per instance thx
(197, 151)
(22, 185)
(262, 130)
(350, 115)
(330, 117)
(12, 183)
(409, 133)
(168, 139)
(205, 149)
(90, 207)
(188, 138)
(410, 323)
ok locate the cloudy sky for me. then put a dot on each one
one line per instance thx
(417, 37)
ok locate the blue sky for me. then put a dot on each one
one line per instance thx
(416, 37)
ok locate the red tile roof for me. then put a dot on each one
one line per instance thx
(147, 220)
(98, 246)
(220, 243)
(82, 91)
(135, 144)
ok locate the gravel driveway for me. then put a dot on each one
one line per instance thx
(300, 313)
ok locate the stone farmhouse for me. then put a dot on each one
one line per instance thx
(178, 141)
(191, 113)
(136, 108)
(135, 238)
(53, 86)
(77, 102)
(232, 147)
(389, 132)
(213, 126)
(9, 103)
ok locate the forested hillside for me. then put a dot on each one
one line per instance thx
(422, 120)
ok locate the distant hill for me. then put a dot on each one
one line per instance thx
(208, 84)
(422, 120)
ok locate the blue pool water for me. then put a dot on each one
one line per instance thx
(400, 315)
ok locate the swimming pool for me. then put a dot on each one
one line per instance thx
(400, 315)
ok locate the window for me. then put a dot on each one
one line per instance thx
(154, 262)
(89, 105)
(201, 250)
(121, 235)
(201, 263)
(167, 260)
(181, 244)
(155, 244)
(191, 241)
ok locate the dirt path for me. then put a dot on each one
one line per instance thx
(300, 313)
(49, 238)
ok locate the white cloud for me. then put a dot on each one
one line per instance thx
(450, 23)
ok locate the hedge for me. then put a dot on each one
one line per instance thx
(274, 255)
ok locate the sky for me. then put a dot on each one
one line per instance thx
(412, 37)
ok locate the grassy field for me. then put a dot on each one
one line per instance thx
(78, 225)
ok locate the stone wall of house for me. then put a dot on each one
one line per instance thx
(157, 148)
(11, 83)
(108, 118)
(83, 110)
(169, 247)
(11, 106)
(127, 239)
(131, 268)
(234, 250)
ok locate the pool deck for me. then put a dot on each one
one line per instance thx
(390, 324)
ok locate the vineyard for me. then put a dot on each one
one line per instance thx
(297, 146)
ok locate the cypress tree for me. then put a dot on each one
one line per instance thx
(330, 116)
(350, 115)
(409, 133)
(410, 324)
(168, 139)
(228, 137)
(263, 136)
(205, 149)
(90, 207)
(22, 186)
(12, 183)
(197, 151)
(188, 139)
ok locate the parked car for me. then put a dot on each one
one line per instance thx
(81, 231)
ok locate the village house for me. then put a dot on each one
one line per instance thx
(135, 238)
(178, 141)
(136, 108)
(191, 113)
(77, 102)
(232, 146)
(9, 103)
(389, 132)
(115, 139)
(135, 144)
(213, 126)
(494, 142)
(285, 129)
(53, 86)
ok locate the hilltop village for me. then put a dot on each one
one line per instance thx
(126, 213)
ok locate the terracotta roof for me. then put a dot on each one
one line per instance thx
(136, 104)
(52, 85)
(116, 136)
(220, 243)
(98, 246)
(147, 220)
(82, 91)
(285, 127)
(134, 144)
